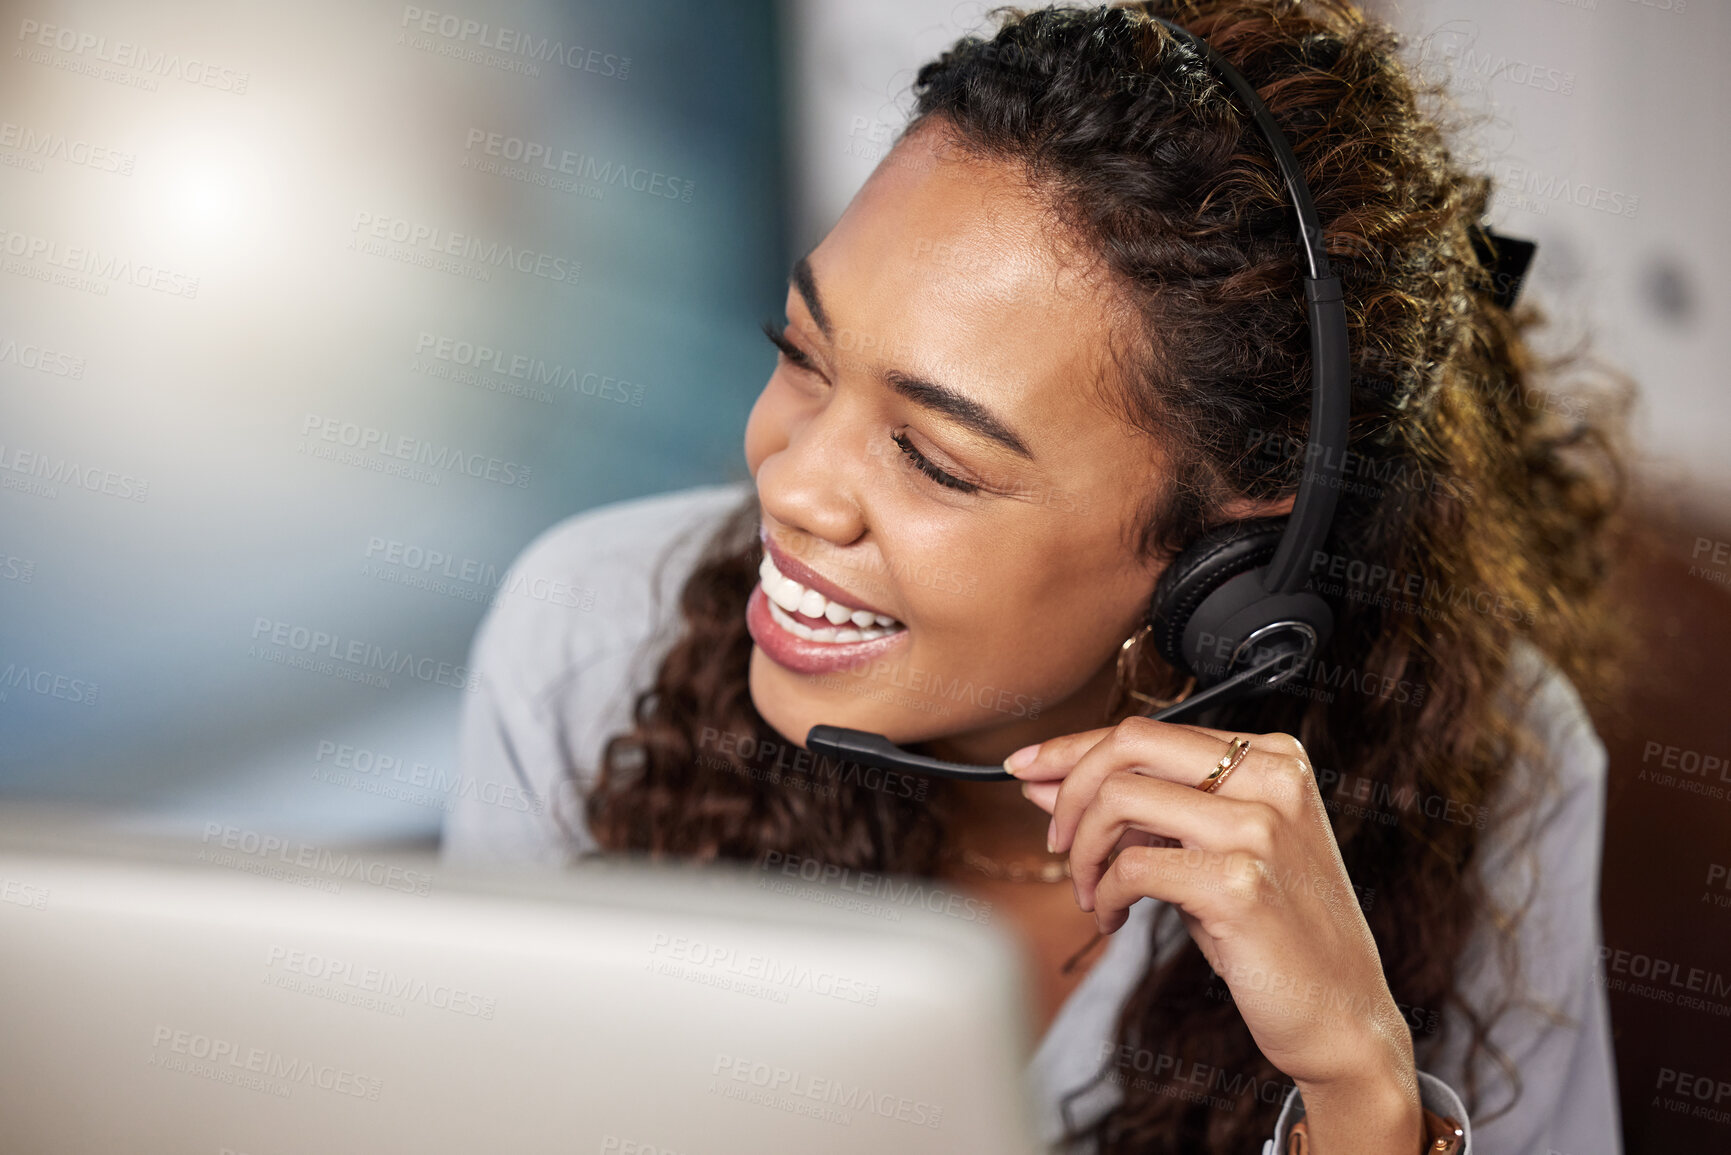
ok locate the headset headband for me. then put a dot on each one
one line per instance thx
(1330, 365)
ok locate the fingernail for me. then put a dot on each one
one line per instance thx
(1022, 759)
(1027, 786)
(1051, 836)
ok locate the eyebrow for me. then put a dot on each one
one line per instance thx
(807, 286)
(959, 407)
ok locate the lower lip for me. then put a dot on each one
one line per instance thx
(807, 657)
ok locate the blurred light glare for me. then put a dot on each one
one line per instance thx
(208, 197)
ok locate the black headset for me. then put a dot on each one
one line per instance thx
(1232, 610)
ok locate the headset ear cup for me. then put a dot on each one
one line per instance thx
(1221, 555)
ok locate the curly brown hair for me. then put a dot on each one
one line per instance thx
(1488, 489)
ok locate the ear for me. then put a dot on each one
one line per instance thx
(1245, 508)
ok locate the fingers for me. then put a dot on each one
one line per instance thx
(1055, 756)
(1176, 754)
(1041, 794)
(1204, 823)
(1171, 875)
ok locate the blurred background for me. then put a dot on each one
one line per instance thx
(313, 316)
(432, 283)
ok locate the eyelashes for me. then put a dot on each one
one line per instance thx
(788, 349)
(920, 462)
(798, 358)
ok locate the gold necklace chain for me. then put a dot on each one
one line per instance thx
(1055, 870)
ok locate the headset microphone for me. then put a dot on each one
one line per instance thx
(1232, 610)
(875, 750)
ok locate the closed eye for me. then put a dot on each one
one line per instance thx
(795, 355)
(802, 360)
(923, 463)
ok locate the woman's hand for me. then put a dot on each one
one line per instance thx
(1254, 870)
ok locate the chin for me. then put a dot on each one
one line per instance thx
(792, 707)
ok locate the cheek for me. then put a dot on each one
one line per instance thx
(996, 597)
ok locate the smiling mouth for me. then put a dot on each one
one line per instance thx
(808, 614)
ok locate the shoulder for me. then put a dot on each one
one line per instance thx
(1544, 822)
(556, 658)
(1563, 769)
(594, 581)
(1528, 966)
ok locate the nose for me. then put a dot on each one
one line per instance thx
(812, 483)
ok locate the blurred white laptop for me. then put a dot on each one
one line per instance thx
(260, 996)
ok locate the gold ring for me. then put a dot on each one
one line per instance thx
(1240, 747)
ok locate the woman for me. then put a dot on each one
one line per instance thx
(1057, 337)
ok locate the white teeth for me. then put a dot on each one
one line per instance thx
(826, 634)
(784, 592)
(787, 595)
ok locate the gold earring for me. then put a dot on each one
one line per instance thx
(1129, 663)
